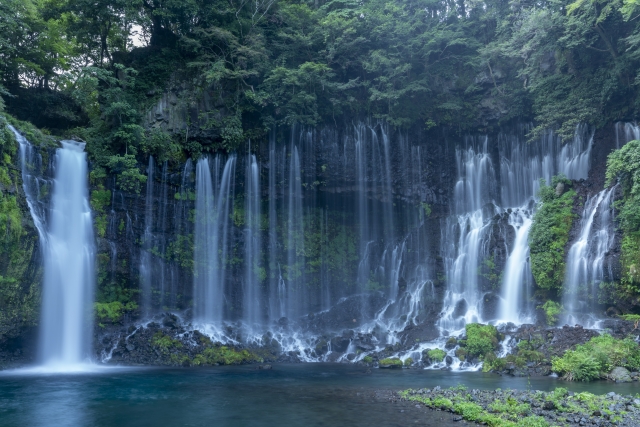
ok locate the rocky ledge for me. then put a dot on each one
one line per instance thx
(513, 408)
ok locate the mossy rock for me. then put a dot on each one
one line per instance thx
(390, 363)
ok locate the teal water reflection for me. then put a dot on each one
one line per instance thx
(288, 395)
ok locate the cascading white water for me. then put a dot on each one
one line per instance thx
(67, 294)
(145, 255)
(252, 312)
(473, 200)
(575, 156)
(211, 235)
(276, 294)
(516, 281)
(626, 132)
(296, 289)
(585, 260)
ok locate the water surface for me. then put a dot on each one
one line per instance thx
(288, 395)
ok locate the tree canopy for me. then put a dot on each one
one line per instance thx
(463, 64)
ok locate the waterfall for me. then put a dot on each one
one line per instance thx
(473, 200)
(516, 282)
(296, 289)
(165, 297)
(626, 132)
(276, 298)
(147, 244)
(575, 156)
(31, 166)
(478, 197)
(182, 225)
(67, 244)
(252, 263)
(585, 261)
(210, 238)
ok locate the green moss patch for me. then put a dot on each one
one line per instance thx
(550, 233)
(390, 363)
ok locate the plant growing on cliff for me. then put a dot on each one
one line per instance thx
(552, 310)
(113, 311)
(623, 165)
(550, 232)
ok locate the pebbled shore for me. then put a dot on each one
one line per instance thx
(517, 408)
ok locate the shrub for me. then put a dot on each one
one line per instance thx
(436, 355)
(493, 363)
(576, 366)
(367, 359)
(481, 339)
(408, 361)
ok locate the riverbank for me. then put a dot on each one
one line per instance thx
(529, 408)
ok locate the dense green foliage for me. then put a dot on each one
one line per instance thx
(461, 64)
(598, 357)
(550, 233)
(623, 165)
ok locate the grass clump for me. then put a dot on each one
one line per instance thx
(481, 339)
(597, 357)
(165, 342)
(408, 361)
(390, 363)
(550, 233)
(436, 355)
(367, 359)
(631, 317)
